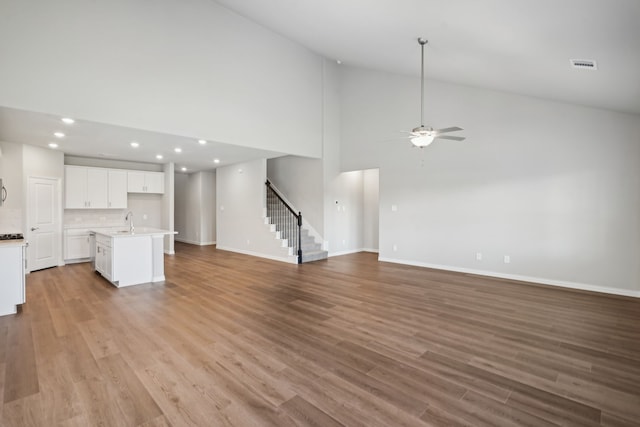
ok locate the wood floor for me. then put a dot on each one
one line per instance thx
(233, 340)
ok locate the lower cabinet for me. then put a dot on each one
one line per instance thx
(127, 260)
(12, 280)
(76, 245)
(104, 260)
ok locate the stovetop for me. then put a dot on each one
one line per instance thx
(12, 236)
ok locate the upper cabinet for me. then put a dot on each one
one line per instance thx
(117, 189)
(95, 188)
(85, 188)
(100, 188)
(145, 182)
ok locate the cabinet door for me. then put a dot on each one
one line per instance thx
(11, 276)
(135, 182)
(97, 188)
(75, 187)
(108, 264)
(117, 189)
(100, 258)
(77, 247)
(154, 182)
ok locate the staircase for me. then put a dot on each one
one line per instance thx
(287, 224)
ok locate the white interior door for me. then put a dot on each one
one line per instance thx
(43, 228)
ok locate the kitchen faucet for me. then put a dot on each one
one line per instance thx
(129, 218)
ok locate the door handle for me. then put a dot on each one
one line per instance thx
(35, 228)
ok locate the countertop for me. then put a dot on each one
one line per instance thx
(7, 243)
(138, 231)
(94, 226)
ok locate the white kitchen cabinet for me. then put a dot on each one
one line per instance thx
(104, 263)
(12, 281)
(76, 245)
(130, 258)
(117, 191)
(85, 188)
(75, 187)
(145, 182)
(95, 188)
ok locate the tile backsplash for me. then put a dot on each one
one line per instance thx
(10, 220)
(94, 217)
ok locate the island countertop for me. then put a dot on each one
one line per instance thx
(138, 231)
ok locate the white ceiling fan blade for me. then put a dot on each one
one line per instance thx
(453, 138)
(451, 129)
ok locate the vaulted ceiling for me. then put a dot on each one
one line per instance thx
(517, 46)
(522, 46)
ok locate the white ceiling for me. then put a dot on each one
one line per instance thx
(518, 46)
(90, 139)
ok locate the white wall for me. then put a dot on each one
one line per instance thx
(552, 185)
(345, 215)
(208, 207)
(131, 63)
(195, 207)
(300, 180)
(168, 207)
(370, 209)
(181, 183)
(240, 202)
(114, 164)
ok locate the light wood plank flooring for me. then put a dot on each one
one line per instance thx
(233, 340)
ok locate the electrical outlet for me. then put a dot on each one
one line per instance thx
(395, 248)
(145, 216)
(507, 259)
(478, 256)
(394, 208)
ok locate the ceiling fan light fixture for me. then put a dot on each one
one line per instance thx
(422, 135)
(422, 140)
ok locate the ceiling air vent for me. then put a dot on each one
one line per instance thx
(584, 64)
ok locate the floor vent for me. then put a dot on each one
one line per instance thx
(584, 64)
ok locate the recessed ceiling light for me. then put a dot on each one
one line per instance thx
(202, 141)
(216, 160)
(68, 120)
(134, 144)
(59, 135)
(183, 169)
(338, 62)
(178, 150)
(158, 156)
(53, 145)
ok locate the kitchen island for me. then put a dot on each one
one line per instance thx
(127, 258)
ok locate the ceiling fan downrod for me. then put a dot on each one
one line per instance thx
(422, 43)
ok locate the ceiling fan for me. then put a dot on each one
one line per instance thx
(422, 135)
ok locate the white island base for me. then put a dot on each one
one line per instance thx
(130, 258)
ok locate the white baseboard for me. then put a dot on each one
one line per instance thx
(289, 260)
(170, 252)
(375, 251)
(517, 277)
(351, 251)
(193, 242)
